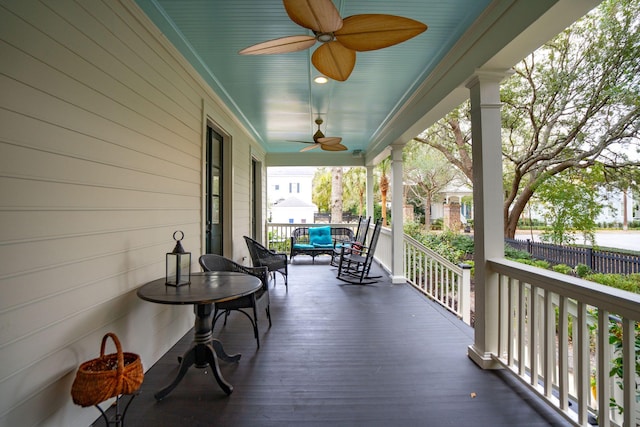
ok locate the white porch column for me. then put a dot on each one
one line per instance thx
(397, 212)
(488, 203)
(370, 186)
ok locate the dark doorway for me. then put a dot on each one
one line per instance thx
(255, 199)
(213, 192)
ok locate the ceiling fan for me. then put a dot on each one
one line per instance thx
(327, 143)
(340, 38)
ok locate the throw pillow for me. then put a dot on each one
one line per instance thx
(320, 236)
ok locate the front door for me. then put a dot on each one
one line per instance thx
(213, 192)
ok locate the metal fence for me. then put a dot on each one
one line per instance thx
(599, 261)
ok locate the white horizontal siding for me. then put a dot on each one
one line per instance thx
(100, 161)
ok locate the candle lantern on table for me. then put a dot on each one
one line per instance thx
(178, 263)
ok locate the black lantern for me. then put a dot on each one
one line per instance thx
(178, 264)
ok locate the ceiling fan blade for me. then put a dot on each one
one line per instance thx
(334, 60)
(336, 147)
(310, 147)
(375, 31)
(329, 140)
(317, 15)
(281, 45)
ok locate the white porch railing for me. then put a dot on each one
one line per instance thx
(554, 334)
(438, 278)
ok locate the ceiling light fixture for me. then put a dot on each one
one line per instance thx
(321, 80)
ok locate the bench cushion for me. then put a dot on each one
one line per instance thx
(323, 246)
(320, 236)
(303, 246)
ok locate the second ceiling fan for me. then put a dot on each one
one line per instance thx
(327, 143)
(340, 38)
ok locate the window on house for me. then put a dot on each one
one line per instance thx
(276, 187)
(294, 187)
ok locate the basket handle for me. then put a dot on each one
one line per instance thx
(120, 358)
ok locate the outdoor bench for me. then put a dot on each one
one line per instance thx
(316, 241)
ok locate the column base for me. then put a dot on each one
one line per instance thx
(398, 280)
(483, 360)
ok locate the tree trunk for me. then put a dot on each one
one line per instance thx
(336, 195)
(427, 213)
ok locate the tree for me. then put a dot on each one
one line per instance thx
(571, 105)
(383, 185)
(426, 173)
(322, 189)
(451, 136)
(355, 188)
(571, 205)
(336, 194)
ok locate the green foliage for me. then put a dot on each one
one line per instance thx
(582, 270)
(452, 246)
(437, 224)
(354, 182)
(562, 268)
(515, 254)
(535, 263)
(629, 282)
(570, 205)
(413, 229)
(322, 189)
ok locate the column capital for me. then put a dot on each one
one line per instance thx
(489, 75)
(396, 151)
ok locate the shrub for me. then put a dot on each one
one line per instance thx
(562, 268)
(463, 243)
(542, 264)
(582, 270)
(629, 283)
(437, 224)
(515, 254)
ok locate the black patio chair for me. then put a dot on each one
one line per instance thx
(360, 239)
(211, 262)
(355, 263)
(263, 257)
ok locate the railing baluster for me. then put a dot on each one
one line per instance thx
(581, 370)
(503, 317)
(604, 364)
(549, 365)
(522, 342)
(513, 318)
(533, 335)
(629, 371)
(563, 353)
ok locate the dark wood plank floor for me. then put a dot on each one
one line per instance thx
(344, 355)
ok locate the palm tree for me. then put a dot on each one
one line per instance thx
(384, 187)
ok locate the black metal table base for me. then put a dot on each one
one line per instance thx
(204, 352)
(118, 418)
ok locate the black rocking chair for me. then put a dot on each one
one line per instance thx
(355, 262)
(360, 239)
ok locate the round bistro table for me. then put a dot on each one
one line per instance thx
(205, 290)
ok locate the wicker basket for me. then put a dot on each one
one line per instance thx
(107, 376)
